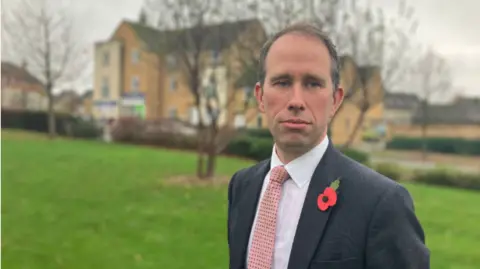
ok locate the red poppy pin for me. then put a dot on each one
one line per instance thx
(329, 196)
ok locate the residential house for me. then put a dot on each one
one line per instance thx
(86, 105)
(460, 119)
(138, 72)
(20, 89)
(400, 107)
(352, 79)
(66, 102)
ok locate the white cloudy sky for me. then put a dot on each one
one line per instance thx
(451, 27)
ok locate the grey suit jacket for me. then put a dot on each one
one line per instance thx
(372, 225)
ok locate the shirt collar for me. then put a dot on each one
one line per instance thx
(301, 169)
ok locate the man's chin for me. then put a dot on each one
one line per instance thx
(293, 142)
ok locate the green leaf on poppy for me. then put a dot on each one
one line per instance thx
(335, 184)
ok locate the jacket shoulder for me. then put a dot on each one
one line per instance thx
(247, 172)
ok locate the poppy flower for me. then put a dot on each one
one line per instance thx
(327, 198)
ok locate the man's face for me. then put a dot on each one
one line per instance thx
(297, 96)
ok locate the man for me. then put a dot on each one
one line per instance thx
(309, 206)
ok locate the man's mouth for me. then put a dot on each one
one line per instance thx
(295, 123)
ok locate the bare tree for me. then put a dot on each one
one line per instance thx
(193, 31)
(376, 45)
(41, 33)
(434, 79)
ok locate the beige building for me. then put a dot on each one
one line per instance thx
(400, 108)
(135, 75)
(352, 79)
(21, 90)
(108, 79)
(458, 119)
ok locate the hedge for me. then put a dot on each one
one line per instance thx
(131, 130)
(448, 178)
(66, 125)
(390, 170)
(437, 144)
(259, 148)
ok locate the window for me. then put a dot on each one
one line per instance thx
(135, 56)
(193, 115)
(106, 59)
(135, 86)
(239, 121)
(215, 56)
(172, 113)
(171, 62)
(105, 88)
(173, 84)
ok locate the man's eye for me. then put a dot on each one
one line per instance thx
(314, 84)
(282, 83)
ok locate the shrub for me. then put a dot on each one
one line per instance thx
(449, 178)
(357, 155)
(437, 144)
(85, 129)
(389, 170)
(250, 147)
(127, 129)
(66, 125)
(259, 133)
(261, 149)
(153, 133)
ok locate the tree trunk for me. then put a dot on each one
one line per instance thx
(200, 151)
(354, 132)
(212, 154)
(424, 142)
(52, 132)
(424, 130)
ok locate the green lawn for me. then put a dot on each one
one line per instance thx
(77, 204)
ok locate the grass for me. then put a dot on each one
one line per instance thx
(78, 204)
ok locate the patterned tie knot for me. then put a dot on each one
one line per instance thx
(279, 174)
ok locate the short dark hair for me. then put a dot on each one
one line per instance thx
(306, 29)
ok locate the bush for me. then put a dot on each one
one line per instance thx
(357, 155)
(389, 170)
(437, 144)
(259, 133)
(127, 130)
(153, 133)
(448, 178)
(66, 125)
(254, 148)
(85, 129)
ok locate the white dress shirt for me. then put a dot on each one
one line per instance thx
(293, 195)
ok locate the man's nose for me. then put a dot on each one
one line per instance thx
(296, 101)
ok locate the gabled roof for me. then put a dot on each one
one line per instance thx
(401, 100)
(467, 112)
(216, 37)
(11, 70)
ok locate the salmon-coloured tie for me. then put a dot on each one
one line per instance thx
(261, 250)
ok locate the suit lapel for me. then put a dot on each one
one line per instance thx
(312, 221)
(248, 205)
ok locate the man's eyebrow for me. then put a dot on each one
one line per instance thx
(314, 77)
(280, 77)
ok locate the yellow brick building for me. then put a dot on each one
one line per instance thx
(136, 74)
(352, 79)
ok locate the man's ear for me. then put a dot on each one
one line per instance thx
(338, 96)
(259, 97)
